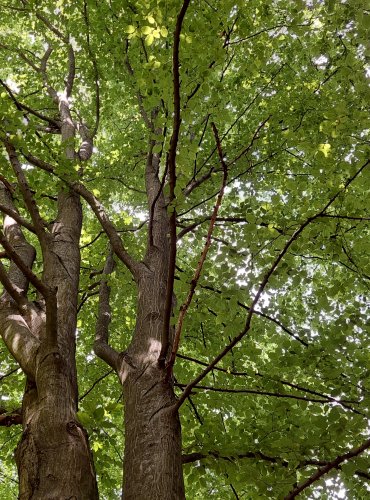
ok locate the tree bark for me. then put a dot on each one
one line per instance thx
(152, 459)
(53, 457)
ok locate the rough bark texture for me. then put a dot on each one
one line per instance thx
(53, 456)
(152, 467)
(152, 461)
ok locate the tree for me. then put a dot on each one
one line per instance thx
(221, 153)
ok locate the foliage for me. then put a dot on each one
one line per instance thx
(286, 84)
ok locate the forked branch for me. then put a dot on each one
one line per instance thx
(354, 452)
(263, 285)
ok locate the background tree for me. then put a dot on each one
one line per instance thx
(230, 179)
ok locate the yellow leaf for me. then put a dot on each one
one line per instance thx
(149, 40)
(325, 149)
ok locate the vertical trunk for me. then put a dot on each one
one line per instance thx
(152, 460)
(53, 457)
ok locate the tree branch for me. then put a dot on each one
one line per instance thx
(10, 418)
(258, 392)
(185, 306)
(172, 182)
(13, 255)
(98, 210)
(101, 346)
(263, 285)
(354, 452)
(30, 203)
(13, 290)
(18, 218)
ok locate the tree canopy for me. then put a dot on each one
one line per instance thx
(258, 115)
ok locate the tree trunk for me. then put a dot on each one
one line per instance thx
(53, 457)
(152, 459)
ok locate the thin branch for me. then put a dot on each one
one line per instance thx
(347, 217)
(354, 452)
(31, 205)
(101, 344)
(172, 182)
(108, 227)
(13, 255)
(15, 370)
(254, 138)
(257, 392)
(343, 402)
(52, 28)
(18, 218)
(20, 106)
(185, 306)
(12, 290)
(263, 285)
(95, 384)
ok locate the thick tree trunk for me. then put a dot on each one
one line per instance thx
(152, 459)
(53, 457)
